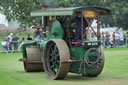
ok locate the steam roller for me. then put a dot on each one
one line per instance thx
(55, 49)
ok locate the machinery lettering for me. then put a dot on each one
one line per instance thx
(90, 44)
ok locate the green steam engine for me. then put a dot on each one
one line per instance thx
(58, 53)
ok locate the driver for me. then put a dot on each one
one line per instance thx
(77, 21)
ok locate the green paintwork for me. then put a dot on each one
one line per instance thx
(57, 29)
(43, 43)
(54, 28)
(68, 11)
(77, 53)
(24, 47)
(92, 41)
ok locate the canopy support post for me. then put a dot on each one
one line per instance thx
(98, 27)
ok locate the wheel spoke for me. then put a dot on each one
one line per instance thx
(54, 59)
(52, 66)
(58, 62)
(55, 48)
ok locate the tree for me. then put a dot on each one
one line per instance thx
(76, 3)
(20, 10)
(119, 13)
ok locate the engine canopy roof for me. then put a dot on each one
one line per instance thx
(69, 11)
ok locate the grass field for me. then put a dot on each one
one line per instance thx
(115, 71)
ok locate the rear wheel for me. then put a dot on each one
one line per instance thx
(100, 64)
(56, 53)
(33, 61)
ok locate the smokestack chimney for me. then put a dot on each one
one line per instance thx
(44, 7)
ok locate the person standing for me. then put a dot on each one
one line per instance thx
(29, 38)
(93, 37)
(4, 46)
(117, 39)
(127, 38)
(15, 42)
(107, 36)
(10, 41)
(103, 39)
(113, 36)
(124, 36)
(22, 41)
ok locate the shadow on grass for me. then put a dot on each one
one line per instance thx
(23, 72)
(79, 77)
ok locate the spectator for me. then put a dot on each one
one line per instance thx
(127, 32)
(125, 37)
(107, 39)
(103, 39)
(4, 45)
(117, 39)
(113, 36)
(21, 43)
(15, 42)
(93, 37)
(10, 41)
(89, 34)
(22, 40)
(29, 38)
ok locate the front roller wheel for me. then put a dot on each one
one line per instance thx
(32, 62)
(56, 52)
(100, 64)
(33, 67)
